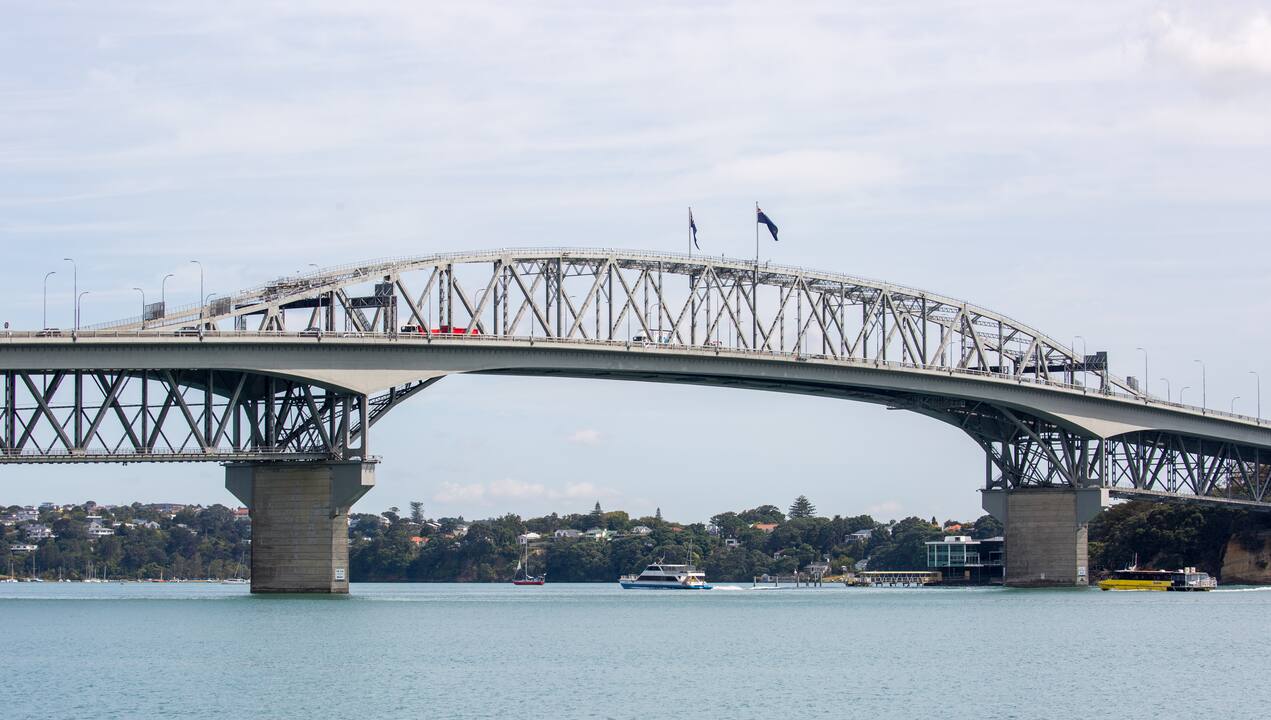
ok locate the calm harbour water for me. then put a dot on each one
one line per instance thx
(593, 651)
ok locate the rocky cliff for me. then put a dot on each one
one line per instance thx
(1247, 560)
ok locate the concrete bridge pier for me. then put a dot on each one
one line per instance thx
(1046, 533)
(299, 515)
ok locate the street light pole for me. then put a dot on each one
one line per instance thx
(1167, 390)
(1145, 392)
(163, 292)
(79, 299)
(1204, 393)
(1180, 393)
(1075, 338)
(45, 326)
(74, 288)
(1255, 374)
(1233, 404)
(196, 262)
(143, 307)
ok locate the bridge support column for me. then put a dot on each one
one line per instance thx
(1046, 530)
(300, 527)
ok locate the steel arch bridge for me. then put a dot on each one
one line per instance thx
(301, 367)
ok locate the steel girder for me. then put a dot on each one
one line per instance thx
(164, 415)
(1024, 451)
(660, 298)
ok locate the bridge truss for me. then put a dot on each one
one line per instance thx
(659, 302)
(173, 416)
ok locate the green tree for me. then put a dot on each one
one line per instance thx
(417, 512)
(802, 508)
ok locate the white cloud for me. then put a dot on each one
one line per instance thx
(888, 508)
(585, 436)
(508, 488)
(1246, 47)
(457, 493)
(486, 494)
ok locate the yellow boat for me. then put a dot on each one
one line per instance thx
(1188, 579)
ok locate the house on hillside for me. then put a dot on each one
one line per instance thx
(527, 538)
(861, 535)
(598, 534)
(764, 527)
(641, 530)
(38, 532)
(567, 533)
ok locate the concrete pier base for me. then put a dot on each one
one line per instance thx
(1046, 532)
(300, 528)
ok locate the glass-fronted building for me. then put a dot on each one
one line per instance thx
(963, 561)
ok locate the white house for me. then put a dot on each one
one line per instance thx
(712, 529)
(641, 530)
(731, 542)
(861, 535)
(527, 538)
(23, 547)
(38, 532)
(567, 533)
(598, 534)
(97, 530)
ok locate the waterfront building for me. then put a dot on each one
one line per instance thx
(962, 560)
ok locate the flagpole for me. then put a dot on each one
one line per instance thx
(754, 288)
(690, 232)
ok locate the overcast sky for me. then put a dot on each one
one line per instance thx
(1089, 170)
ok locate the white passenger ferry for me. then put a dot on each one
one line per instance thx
(663, 576)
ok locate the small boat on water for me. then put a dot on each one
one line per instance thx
(664, 576)
(523, 567)
(1188, 579)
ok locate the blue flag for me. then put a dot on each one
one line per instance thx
(763, 220)
(692, 227)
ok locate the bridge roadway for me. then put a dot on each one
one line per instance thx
(291, 411)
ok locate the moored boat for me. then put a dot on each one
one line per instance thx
(523, 567)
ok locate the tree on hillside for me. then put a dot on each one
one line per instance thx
(658, 515)
(417, 512)
(763, 514)
(802, 508)
(597, 516)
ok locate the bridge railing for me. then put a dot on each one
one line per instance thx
(321, 336)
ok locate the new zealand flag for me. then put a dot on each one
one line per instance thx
(763, 220)
(692, 226)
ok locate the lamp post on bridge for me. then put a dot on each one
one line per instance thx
(45, 325)
(1204, 393)
(1167, 390)
(1233, 404)
(74, 289)
(79, 301)
(1075, 338)
(196, 262)
(1180, 393)
(163, 294)
(143, 307)
(1145, 391)
(1255, 374)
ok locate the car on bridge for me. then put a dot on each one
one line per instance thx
(442, 330)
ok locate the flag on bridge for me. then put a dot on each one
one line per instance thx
(763, 219)
(692, 229)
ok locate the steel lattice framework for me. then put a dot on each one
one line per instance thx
(644, 303)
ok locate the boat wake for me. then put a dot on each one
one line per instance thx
(1244, 589)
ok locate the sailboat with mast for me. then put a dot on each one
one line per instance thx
(523, 568)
